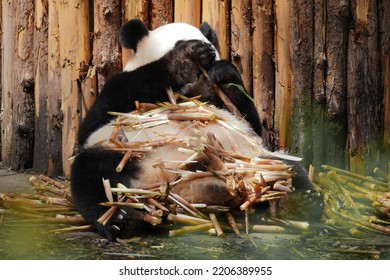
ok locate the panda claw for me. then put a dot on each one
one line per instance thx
(116, 227)
(123, 211)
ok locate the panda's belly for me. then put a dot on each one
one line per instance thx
(159, 165)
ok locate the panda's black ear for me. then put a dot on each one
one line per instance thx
(131, 33)
(210, 34)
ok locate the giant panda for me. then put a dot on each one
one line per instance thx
(173, 56)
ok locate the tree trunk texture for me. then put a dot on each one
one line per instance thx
(18, 84)
(106, 54)
(336, 56)
(302, 29)
(161, 12)
(188, 11)
(263, 70)
(216, 13)
(74, 59)
(384, 64)
(136, 9)
(241, 41)
(54, 115)
(41, 86)
(283, 98)
(364, 96)
(1, 73)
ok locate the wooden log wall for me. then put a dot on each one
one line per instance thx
(318, 70)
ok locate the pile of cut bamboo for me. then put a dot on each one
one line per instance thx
(252, 180)
(356, 203)
(50, 204)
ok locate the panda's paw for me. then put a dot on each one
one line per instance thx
(185, 61)
(224, 72)
(125, 223)
(199, 52)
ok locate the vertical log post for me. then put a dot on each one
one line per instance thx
(384, 64)
(319, 71)
(241, 41)
(336, 49)
(283, 99)
(136, 9)
(263, 70)
(106, 55)
(18, 84)
(161, 12)
(319, 51)
(41, 89)
(74, 57)
(364, 97)
(302, 43)
(329, 82)
(216, 12)
(1, 71)
(54, 114)
(187, 11)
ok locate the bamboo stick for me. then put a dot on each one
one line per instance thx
(190, 229)
(124, 160)
(216, 224)
(233, 224)
(267, 228)
(185, 219)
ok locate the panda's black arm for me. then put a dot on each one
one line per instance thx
(224, 74)
(120, 93)
(147, 84)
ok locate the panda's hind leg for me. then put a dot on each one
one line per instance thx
(88, 169)
(210, 190)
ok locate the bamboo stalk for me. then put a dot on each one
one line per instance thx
(355, 175)
(154, 221)
(128, 204)
(157, 204)
(123, 189)
(111, 211)
(72, 228)
(107, 189)
(190, 229)
(226, 100)
(233, 224)
(268, 228)
(124, 160)
(185, 219)
(216, 224)
(191, 209)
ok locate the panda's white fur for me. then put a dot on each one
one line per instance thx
(160, 41)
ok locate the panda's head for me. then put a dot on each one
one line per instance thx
(143, 43)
